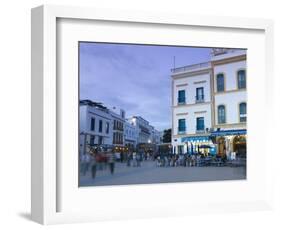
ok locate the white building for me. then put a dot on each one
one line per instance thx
(142, 127)
(96, 125)
(118, 119)
(146, 135)
(130, 135)
(155, 136)
(209, 103)
(230, 100)
(191, 103)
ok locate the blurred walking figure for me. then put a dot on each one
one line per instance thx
(134, 159)
(94, 165)
(85, 163)
(158, 163)
(129, 158)
(111, 162)
(138, 159)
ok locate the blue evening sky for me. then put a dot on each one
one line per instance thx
(135, 78)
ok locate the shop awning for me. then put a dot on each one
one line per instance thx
(195, 139)
(229, 132)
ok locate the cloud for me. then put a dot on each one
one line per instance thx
(133, 77)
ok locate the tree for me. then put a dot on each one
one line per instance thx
(167, 136)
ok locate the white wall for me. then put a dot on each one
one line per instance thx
(230, 74)
(179, 112)
(231, 102)
(190, 88)
(130, 132)
(15, 87)
(190, 118)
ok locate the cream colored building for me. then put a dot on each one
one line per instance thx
(209, 103)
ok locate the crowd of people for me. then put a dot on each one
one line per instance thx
(174, 160)
(97, 161)
(103, 160)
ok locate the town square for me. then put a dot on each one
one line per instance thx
(161, 114)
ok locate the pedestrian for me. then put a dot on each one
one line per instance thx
(85, 162)
(129, 159)
(94, 165)
(158, 164)
(134, 159)
(82, 163)
(138, 159)
(88, 161)
(111, 162)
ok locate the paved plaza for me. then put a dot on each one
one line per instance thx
(148, 173)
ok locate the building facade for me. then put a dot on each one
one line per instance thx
(209, 103)
(118, 118)
(96, 125)
(192, 105)
(104, 127)
(230, 100)
(130, 136)
(147, 136)
(142, 127)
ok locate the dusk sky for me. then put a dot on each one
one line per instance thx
(135, 78)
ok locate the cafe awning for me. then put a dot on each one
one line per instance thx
(229, 132)
(195, 139)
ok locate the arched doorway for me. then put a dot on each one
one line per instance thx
(239, 145)
(221, 146)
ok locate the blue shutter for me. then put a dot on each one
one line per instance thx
(220, 82)
(181, 96)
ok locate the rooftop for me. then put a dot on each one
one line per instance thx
(191, 68)
(98, 105)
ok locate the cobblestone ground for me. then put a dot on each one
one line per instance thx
(148, 173)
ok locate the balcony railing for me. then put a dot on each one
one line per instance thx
(181, 130)
(200, 129)
(199, 98)
(191, 67)
(181, 100)
(118, 128)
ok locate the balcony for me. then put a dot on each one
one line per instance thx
(181, 101)
(199, 99)
(181, 130)
(118, 128)
(200, 129)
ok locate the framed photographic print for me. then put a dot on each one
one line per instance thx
(137, 114)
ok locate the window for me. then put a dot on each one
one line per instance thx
(100, 126)
(100, 140)
(107, 127)
(243, 112)
(200, 124)
(122, 113)
(181, 97)
(241, 78)
(200, 94)
(221, 114)
(93, 124)
(92, 140)
(220, 82)
(181, 125)
(114, 138)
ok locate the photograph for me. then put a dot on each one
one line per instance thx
(153, 113)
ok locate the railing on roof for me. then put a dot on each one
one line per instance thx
(93, 104)
(191, 67)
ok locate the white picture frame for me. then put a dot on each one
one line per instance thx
(53, 203)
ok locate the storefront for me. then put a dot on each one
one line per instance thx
(197, 144)
(229, 141)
